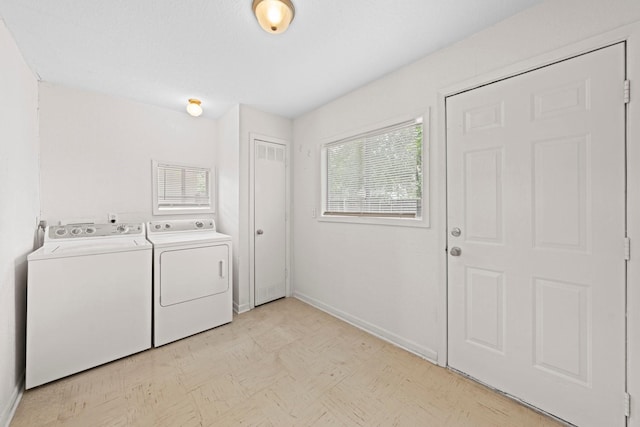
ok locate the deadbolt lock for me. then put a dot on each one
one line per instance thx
(456, 232)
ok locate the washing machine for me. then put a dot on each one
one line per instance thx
(89, 299)
(192, 283)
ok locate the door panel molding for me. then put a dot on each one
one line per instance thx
(631, 35)
(557, 189)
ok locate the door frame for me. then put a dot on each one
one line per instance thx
(629, 34)
(253, 137)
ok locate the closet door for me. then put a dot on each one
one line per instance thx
(270, 239)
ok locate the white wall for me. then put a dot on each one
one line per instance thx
(389, 279)
(235, 129)
(229, 188)
(19, 210)
(256, 122)
(96, 152)
(253, 121)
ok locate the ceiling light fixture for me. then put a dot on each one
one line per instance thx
(274, 16)
(194, 108)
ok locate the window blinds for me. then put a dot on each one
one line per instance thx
(376, 174)
(183, 187)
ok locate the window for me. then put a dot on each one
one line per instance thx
(375, 175)
(181, 189)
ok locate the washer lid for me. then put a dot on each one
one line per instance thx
(88, 247)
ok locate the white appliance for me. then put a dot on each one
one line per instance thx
(88, 299)
(191, 278)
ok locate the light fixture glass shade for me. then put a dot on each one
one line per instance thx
(274, 16)
(194, 108)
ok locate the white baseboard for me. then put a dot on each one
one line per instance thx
(239, 309)
(7, 412)
(410, 346)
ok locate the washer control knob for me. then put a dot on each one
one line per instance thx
(167, 225)
(199, 224)
(157, 226)
(90, 230)
(76, 231)
(61, 232)
(122, 229)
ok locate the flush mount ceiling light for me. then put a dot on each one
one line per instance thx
(274, 16)
(194, 108)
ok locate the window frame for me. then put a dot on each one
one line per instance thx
(157, 210)
(423, 220)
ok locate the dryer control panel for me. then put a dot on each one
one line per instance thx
(79, 231)
(178, 225)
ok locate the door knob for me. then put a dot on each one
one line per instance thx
(455, 251)
(259, 231)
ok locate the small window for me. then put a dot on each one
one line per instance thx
(376, 176)
(179, 189)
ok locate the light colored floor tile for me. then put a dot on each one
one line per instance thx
(282, 364)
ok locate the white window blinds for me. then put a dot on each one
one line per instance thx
(376, 174)
(183, 187)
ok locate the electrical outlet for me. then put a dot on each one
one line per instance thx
(112, 218)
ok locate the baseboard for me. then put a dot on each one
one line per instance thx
(12, 405)
(239, 309)
(410, 346)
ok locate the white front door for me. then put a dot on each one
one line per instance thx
(536, 228)
(270, 238)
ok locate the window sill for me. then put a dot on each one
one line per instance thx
(181, 211)
(394, 222)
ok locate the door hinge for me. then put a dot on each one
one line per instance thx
(627, 91)
(627, 404)
(627, 249)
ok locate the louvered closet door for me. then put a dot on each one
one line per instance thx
(270, 222)
(536, 186)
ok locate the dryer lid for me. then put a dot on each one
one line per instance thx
(187, 238)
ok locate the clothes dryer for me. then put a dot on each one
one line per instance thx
(192, 289)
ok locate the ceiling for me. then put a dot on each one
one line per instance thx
(162, 52)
